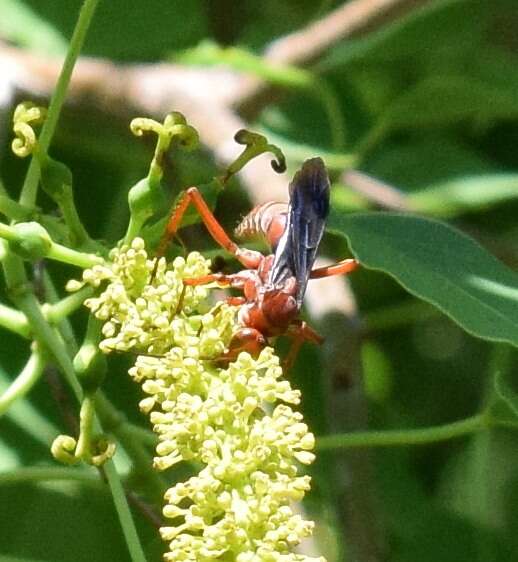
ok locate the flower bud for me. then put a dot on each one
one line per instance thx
(31, 242)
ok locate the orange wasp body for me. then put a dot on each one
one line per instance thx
(273, 285)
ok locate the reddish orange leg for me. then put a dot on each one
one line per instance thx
(235, 301)
(219, 278)
(341, 268)
(249, 258)
(300, 333)
(245, 339)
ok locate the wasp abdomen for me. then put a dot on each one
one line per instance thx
(267, 221)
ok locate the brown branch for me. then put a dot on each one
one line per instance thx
(380, 193)
(305, 46)
(208, 96)
(332, 301)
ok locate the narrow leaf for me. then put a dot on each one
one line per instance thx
(463, 194)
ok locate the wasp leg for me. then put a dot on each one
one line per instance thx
(249, 258)
(219, 278)
(299, 332)
(341, 268)
(234, 280)
(245, 339)
(235, 301)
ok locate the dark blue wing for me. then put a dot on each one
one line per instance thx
(307, 214)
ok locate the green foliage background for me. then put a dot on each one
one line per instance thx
(429, 104)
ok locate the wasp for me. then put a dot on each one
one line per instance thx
(273, 285)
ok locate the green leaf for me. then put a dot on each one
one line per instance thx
(448, 24)
(130, 31)
(463, 194)
(439, 265)
(21, 24)
(421, 161)
(441, 100)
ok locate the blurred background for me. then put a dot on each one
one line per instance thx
(413, 104)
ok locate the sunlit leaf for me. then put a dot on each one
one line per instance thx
(440, 265)
(465, 194)
(21, 24)
(441, 100)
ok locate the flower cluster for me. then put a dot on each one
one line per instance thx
(235, 419)
(139, 314)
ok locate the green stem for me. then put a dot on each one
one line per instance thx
(24, 381)
(124, 513)
(64, 328)
(73, 257)
(15, 274)
(13, 210)
(145, 436)
(372, 138)
(113, 421)
(56, 251)
(47, 337)
(134, 227)
(24, 415)
(78, 233)
(14, 321)
(116, 423)
(404, 437)
(333, 110)
(86, 420)
(30, 186)
(47, 474)
(50, 340)
(7, 232)
(156, 167)
(58, 311)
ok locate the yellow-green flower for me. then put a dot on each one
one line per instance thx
(235, 420)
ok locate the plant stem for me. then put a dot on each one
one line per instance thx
(73, 257)
(46, 474)
(145, 436)
(16, 277)
(116, 423)
(24, 381)
(24, 415)
(124, 513)
(63, 327)
(14, 321)
(333, 110)
(13, 210)
(86, 420)
(56, 251)
(58, 311)
(30, 186)
(78, 233)
(404, 437)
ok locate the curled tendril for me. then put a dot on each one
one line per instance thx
(255, 144)
(186, 136)
(174, 127)
(63, 449)
(141, 125)
(26, 116)
(104, 451)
